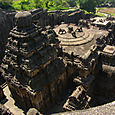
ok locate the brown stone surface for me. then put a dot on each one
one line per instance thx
(107, 109)
(44, 17)
(77, 100)
(109, 49)
(108, 62)
(81, 44)
(33, 111)
(99, 21)
(6, 23)
(4, 111)
(2, 96)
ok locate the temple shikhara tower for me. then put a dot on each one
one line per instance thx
(32, 70)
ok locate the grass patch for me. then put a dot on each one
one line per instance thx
(100, 14)
(101, 8)
(113, 14)
(58, 8)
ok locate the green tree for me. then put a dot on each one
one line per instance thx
(98, 2)
(5, 4)
(71, 3)
(88, 5)
(22, 5)
(37, 3)
(113, 2)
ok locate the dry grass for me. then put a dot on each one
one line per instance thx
(108, 10)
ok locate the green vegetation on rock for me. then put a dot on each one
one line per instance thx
(88, 5)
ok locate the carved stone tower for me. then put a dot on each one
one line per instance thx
(34, 73)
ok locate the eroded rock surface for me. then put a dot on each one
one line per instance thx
(6, 23)
(34, 73)
(4, 111)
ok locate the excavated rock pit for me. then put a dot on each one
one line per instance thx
(59, 69)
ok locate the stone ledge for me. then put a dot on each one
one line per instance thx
(107, 109)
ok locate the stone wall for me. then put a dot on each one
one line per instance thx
(44, 17)
(2, 96)
(6, 23)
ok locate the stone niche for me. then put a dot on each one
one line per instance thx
(35, 75)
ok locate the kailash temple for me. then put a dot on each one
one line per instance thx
(56, 62)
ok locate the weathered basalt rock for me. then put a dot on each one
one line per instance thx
(23, 20)
(33, 111)
(2, 96)
(82, 54)
(6, 23)
(4, 111)
(34, 73)
(78, 100)
(108, 60)
(44, 17)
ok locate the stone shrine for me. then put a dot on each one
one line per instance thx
(32, 70)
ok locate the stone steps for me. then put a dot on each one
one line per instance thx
(76, 42)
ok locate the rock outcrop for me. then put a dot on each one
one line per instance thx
(6, 24)
(2, 96)
(33, 111)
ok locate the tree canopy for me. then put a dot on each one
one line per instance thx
(88, 5)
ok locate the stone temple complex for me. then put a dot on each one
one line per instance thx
(63, 66)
